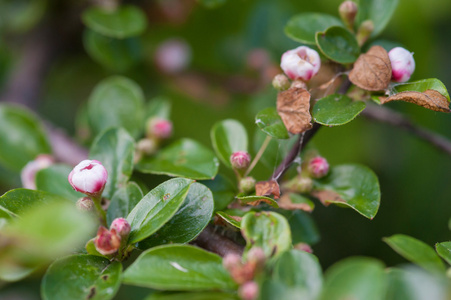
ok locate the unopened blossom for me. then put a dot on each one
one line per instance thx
(28, 173)
(301, 63)
(173, 56)
(402, 64)
(318, 167)
(85, 204)
(121, 226)
(107, 241)
(89, 177)
(240, 160)
(248, 291)
(159, 128)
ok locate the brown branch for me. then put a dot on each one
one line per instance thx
(217, 243)
(388, 116)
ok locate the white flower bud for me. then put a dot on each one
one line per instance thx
(89, 177)
(173, 56)
(402, 64)
(301, 63)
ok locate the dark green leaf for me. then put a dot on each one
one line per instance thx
(269, 121)
(18, 201)
(159, 107)
(303, 228)
(355, 278)
(378, 11)
(303, 27)
(223, 190)
(185, 158)
(416, 251)
(276, 149)
(54, 180)
(156, 208)
(192, 217)
(192, 296)
(422, 86)
(229, 219)
(117, 102)
(81, 277)
(338, 44)
(123, 201)
(254, 198)
(212, 3)
(123, 22)
(351, 185)
(22, 137)
(228, 136)
(179, 267)
(336, 110)
(444, 250)
(115, 149)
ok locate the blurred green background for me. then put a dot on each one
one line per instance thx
(416, 193)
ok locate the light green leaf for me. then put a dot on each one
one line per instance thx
(123, 201)
(303, 27)
(378, 11)
(269, 121)
(228, 136)
(444, 250)
(421, 86)
(54, 180)
(338, 44)
(229, 219)
(336, 110)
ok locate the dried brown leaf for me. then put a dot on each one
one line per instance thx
(327, 196)
(430, 99)
(293, 106)
(286, 203)
(267, 188)
(372, 70)
(258, 202)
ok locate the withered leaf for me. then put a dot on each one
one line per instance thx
(286, 203)
(327, 196)
(259, 201)
(430, 99)
(372, 70)
(293, 106)
(267, 188)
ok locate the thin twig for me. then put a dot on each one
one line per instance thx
(258, 155)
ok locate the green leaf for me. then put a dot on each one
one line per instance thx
(114, 54)
(356, 186)
(81, 277)
(378, 11)
(13, 273)
(303, 27)
(179, 267)
(123, 201)
(54, 180)
(269, 121)
(267, 230)
(159, 107)
(156, 208)
(303, 228)
(275, 151)
(22, 137)
(415, 251)
(192, 296)
(223, 189)
(338, 44)
(185, 158)
(116, 102)
(115, 149)
(444, 250)
(229, 219)
(421, 86)
(355, 278)
(228, 136)
(189, 221)
(336, 110)
(125, 21)
(253, 198)
(212, 3)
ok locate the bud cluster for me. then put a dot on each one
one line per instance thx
(108, 242)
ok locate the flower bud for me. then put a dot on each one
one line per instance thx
(247, 184)
(318, 167)
(402, 64)
(89, 177)
(348, 11)
(300, 184)
(240, 160)
(300, 63)
(299, 84)
(364, 32)
(85, 204)
(248, 291)
(303, 247)
(147, 146)
(121, 226)
(173, 56)
(257, 257)
(231, 261)
(28, 173)
(281, 82)
(159, 128)
(107, 241)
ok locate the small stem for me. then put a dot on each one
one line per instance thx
(258, 155)
(100, 212)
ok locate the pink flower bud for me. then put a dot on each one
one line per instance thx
(301, 63)
(318, 167)
(232, 261)
(402, 64)
(348, 11)
(173, 56)
(107, 241)
(248, 291)
(89, 177)
(28, 173)
(159, 128)
(240, 160)
(303, 247)
(121, 226)
(85, 204)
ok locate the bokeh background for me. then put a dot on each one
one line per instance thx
(235, 49)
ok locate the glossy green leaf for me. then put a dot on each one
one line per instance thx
(115, 149)
(338, 44)
(123, 201)
(157, 208)
(223, 189)
(116, 102)
(378, 11)
(444, 250)
(355, 278)
(123, 22)
(303, 228)
(229, 219)
(416, 251)
(253, 198)
(81, 277)
(357, 187)
(303, 27)
(22, 137)
(189, 221)
(193, 296)
(336, 110)
(179, 267)
(267, 230)
(421, 86)
(5, 217)
(114, 54)
(228, 136)
(54, 180)
(269, 121)
(159, 107)
(185, 158)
